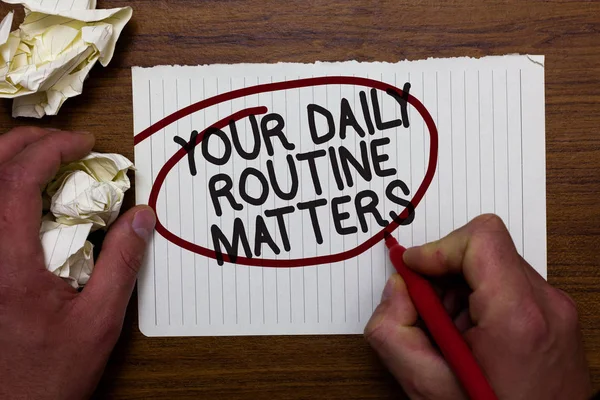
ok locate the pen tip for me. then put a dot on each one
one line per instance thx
(389, 239)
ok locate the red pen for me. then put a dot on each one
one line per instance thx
(441, 327)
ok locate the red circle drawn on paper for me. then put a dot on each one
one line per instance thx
(272, 87)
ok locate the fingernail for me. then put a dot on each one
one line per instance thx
(82, 132)
(143, 223)
(388, 290)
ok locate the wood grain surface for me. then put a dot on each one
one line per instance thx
(232, 31)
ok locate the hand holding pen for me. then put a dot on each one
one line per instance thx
(522, 332)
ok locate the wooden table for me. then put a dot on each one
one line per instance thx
(205, 32)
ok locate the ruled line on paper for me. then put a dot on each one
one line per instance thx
(479, 136)
(522, 171)
(466, 152)
(180, 206)
(507, 143)
(437, 120)
(153, 177)
(168, 266)
(452, 151)
(493, 140)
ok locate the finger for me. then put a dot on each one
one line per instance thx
(406, 350)
(396, 303)
(22, 179)
(38, 163)
(113, 279)
(17, 139)
(482, 251)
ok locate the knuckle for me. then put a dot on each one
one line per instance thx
(374, 334)
(489, 222)
(106, 331)
(530, 326)
(417, 387)
(490, 237)
(13, 175)
(566, 309)
(427, 384)
(377, 332)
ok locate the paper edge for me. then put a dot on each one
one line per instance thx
(533, 58)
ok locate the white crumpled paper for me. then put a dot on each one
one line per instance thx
(90, 190)
(86, 195)
(67, 253)
(46, 60)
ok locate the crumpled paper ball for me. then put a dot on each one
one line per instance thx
(67, 253)
(47, 59)
(85, 196)
(90, 190)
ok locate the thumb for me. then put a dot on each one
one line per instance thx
(116, 270)
(406, 350)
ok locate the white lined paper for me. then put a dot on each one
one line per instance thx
(490, 159)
